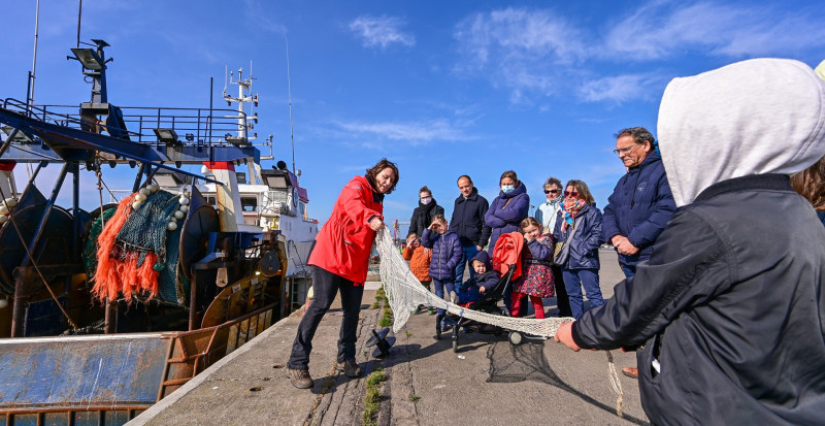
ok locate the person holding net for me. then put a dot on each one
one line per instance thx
(340, 261)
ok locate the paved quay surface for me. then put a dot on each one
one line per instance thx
(487, 382)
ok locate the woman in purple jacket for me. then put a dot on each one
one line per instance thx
(508, 209)
(446, 254)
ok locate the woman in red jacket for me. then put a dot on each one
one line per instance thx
(340, 260)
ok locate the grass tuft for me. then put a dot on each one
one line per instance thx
(372, 402)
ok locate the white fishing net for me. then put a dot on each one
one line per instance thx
(405, 293)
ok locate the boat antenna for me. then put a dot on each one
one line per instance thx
(289, 88)
(79, 15)
(225, 79)
(30, 95)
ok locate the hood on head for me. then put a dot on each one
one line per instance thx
(748, 118)
(483, 257)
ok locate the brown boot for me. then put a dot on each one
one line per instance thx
(350, 368)
(631, 372)
(300, 378)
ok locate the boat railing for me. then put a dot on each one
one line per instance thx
(201, 126)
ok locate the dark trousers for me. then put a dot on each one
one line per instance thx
(561, 293)
(325, 286)
(629, 270)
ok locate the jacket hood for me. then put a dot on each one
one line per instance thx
(520, 189)
(483, 257)
(377, 196)
(748, 118)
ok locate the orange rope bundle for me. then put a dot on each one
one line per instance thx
(117, 270)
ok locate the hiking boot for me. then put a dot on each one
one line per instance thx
(300, 378)
(350, 368)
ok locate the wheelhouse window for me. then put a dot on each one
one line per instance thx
(249, 204)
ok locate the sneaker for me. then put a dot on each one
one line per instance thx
(300, 378)
(350, 368)
(431, 310)
(453, 298)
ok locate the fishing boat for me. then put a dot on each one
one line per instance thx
(109, 310)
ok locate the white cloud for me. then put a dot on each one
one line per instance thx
(660, 30)
(414, 132)
(525, 51)
(381, 31)
(619, 89)
(537, 54)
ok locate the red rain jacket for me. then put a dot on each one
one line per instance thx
(508, 252)
(343, 245)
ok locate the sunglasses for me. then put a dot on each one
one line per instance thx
(552, 191)
(571, 194)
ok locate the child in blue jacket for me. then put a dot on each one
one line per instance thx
(446, 254)
(485, 278)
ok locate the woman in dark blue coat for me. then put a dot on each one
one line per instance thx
(579, 228)
(508, 209)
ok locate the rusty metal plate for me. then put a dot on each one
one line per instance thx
(239, 298)
(81, 371)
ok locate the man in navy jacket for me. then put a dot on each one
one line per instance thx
(641, 204)
(468, 222)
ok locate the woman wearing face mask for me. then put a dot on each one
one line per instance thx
(506, 213)
(425, 213)
(508, 209)
(579, 228)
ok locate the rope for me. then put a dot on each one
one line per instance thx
(404, 293)
(615, 383)
(36, 268)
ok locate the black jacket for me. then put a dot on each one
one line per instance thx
(468, 220)
(419, 224)
(732, 305)
(639, 207)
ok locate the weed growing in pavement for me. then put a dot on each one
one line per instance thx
(372, 403)
(415, 398)
(409, 334)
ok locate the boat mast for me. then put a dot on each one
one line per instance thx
(289, 88)
(30, 95)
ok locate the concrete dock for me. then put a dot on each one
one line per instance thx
(488, 381)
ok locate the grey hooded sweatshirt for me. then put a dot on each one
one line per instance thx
(729, 312)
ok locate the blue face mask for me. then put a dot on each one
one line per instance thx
(508, 188)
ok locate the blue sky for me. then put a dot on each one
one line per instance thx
(441, 88)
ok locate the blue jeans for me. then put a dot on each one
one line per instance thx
(467, 254)
(629, 270)
(325, 286)
(439, 291)
(574, 279)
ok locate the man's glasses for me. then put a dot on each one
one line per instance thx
(571, 194)
(624, 150)
(552, 191)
